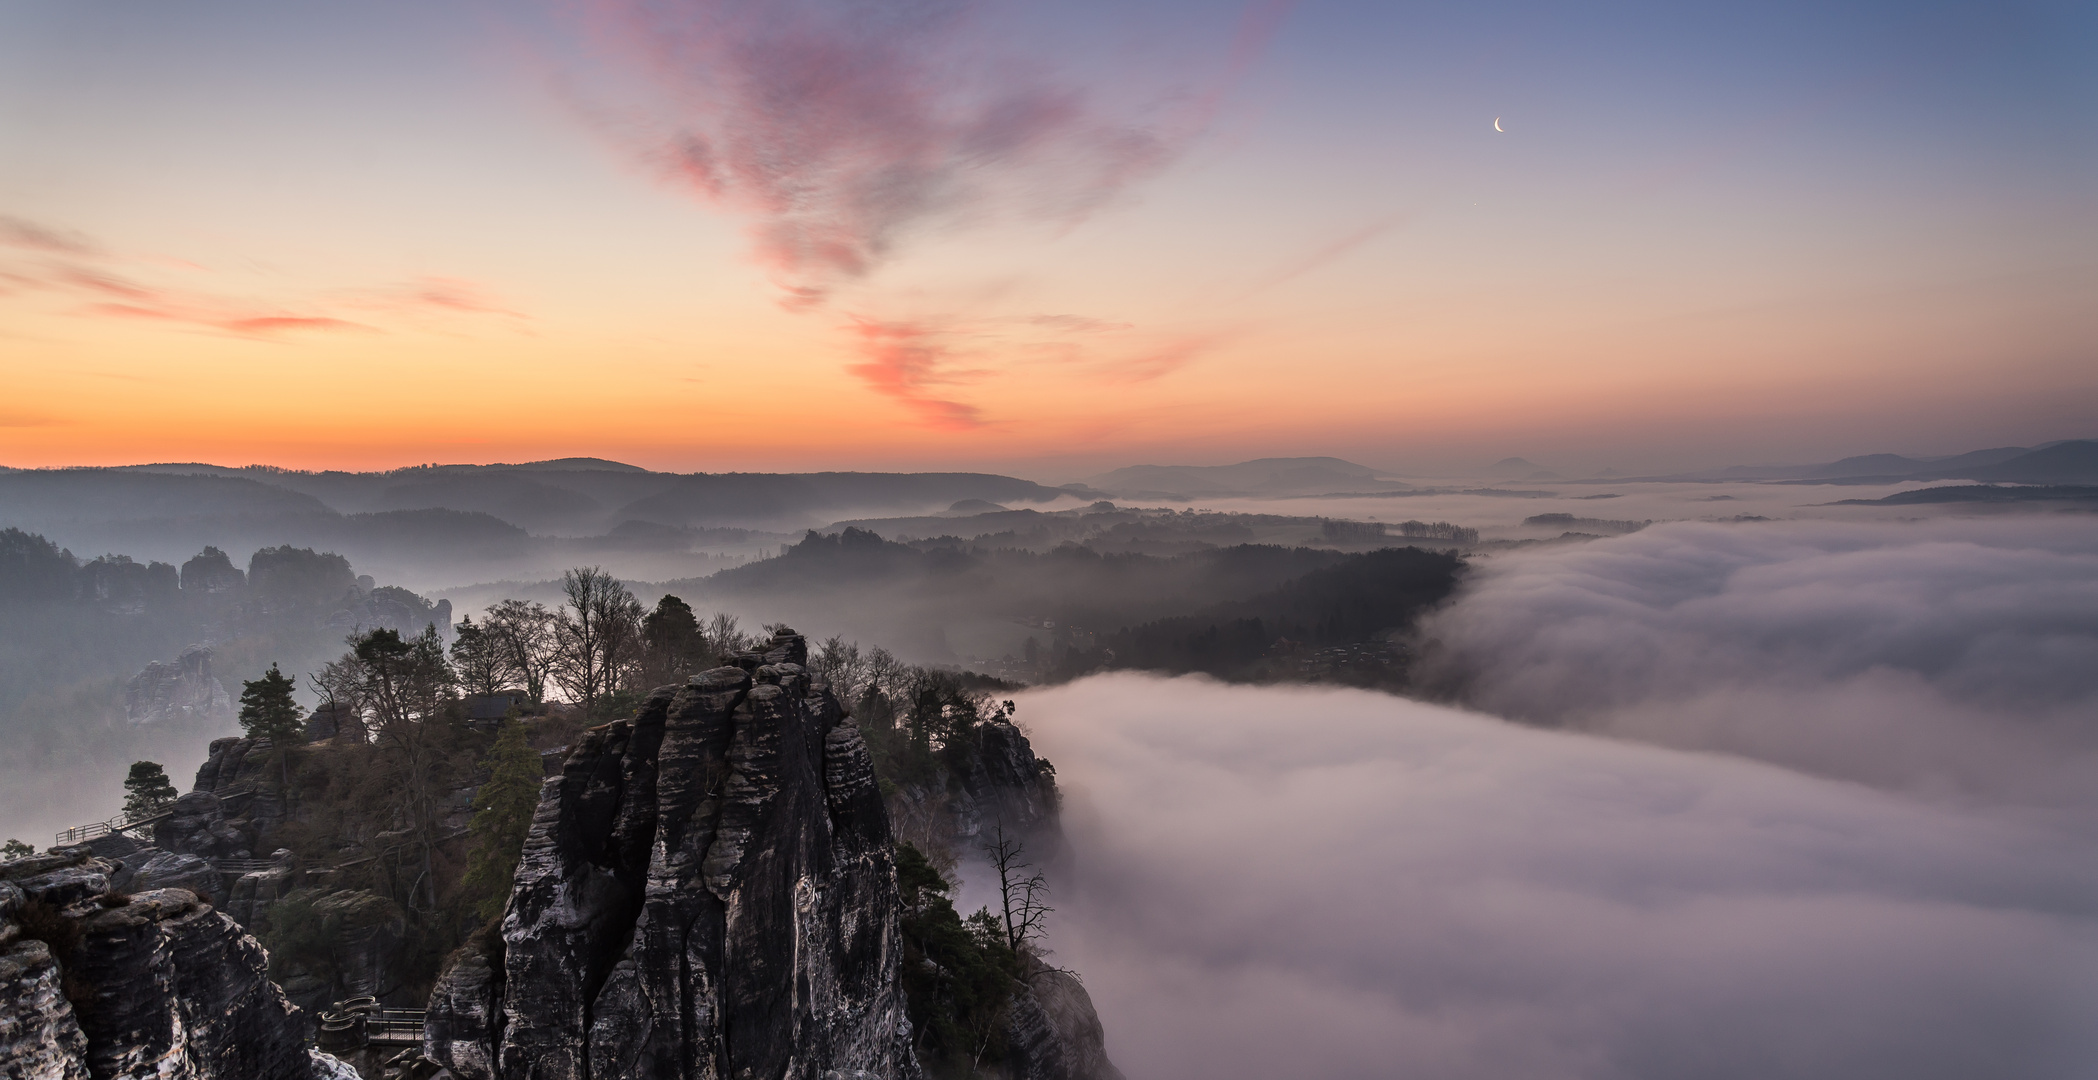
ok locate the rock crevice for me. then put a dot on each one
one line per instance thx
(706, 891)
(155, 984)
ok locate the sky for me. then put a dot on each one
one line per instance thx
(914, 234)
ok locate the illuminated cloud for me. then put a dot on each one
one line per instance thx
(904, 361)
(70, 264)
(1957, 657)
(837, 128)
(22, 233)
(1267, 882)
(918, 362)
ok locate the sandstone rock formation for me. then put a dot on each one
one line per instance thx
(171, 870)
(1002, 786)
(707, 891)
(1053, 1032)
(114, 986)
(211, 571)
(184, 692)
(237, 798)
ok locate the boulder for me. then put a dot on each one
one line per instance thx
(171, 870)
(156, 984)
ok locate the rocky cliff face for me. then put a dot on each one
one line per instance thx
(1053, 1032)
(1004, 785)
(707, 891)
(184, 693)
(154, 985)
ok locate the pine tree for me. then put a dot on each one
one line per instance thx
(672, 644)
(267, 710)
(502, 816)
(146, 790)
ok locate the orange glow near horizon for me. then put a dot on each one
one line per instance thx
(1004, 267)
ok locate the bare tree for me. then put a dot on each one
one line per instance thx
(403, 687)
(339, 684)
(1022, 889)
(724, 637)
(480, 657)
(524, 633)
(840, 662)
(595, 637)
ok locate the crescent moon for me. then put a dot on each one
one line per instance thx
(1497, 126)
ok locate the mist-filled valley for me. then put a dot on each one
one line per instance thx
(972, 540)
(1323, 882)
(1478, 776)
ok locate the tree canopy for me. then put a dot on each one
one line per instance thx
(267, 710)
(146, 790)
(502, 816)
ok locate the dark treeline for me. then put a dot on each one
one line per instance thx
(1071, 583)
(1221, 610)
(1283, 632)
(75, 636)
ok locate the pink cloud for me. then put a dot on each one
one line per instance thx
(838, 127)
(903, 361)
(445, 294)
(269, 324)
(87, 271)
(22, 233)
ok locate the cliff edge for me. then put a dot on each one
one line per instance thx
(130, 986)
(707, 890)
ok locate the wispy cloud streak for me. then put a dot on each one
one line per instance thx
(107, 285)
(837, 127)
(905, 361)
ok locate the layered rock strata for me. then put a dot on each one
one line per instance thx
(115, 986)
(707, 891)
(1053, 1032)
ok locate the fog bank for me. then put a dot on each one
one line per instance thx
(1332, 883)
(1953, 657)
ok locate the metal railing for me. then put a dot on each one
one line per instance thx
(95, 830)
(237, 867)
(360, 1022)
(92, 830)
(395, 1026)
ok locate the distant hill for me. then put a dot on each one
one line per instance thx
(2063, 463)
(776, 500)
(579, 464)
(37, 495)
(1867, 465)
(1264, 476)
(433, 525)
(1983, 493)
(572, 497)
(2072, 462)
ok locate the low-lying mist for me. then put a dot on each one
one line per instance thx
(1267, 882)
(1958, 657)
